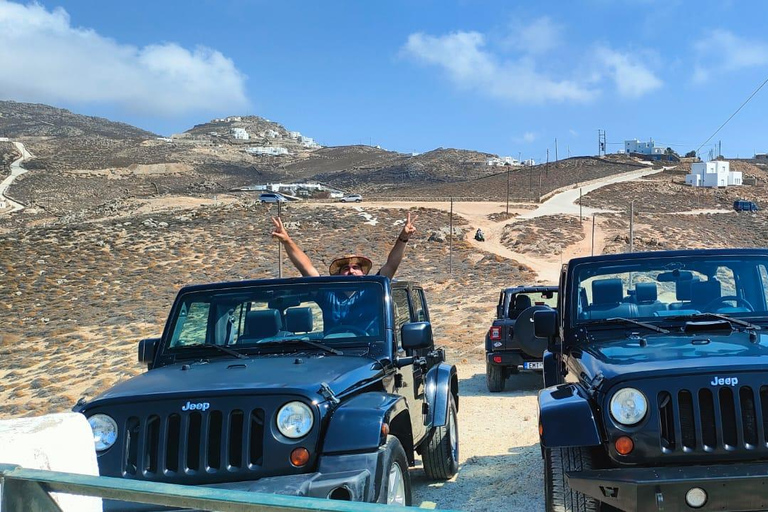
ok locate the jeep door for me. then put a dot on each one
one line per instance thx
(411, 378)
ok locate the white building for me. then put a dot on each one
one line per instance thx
(644, 148)
(294, 135)
(267, 150)
(272, 134)
(308, 142)
(240, 134)
(502, 160)
(715, 173)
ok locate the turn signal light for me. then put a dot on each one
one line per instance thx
(299, 456)
(624, 445)
(495, 333)
(385, 429)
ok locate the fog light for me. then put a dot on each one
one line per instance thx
(299, 456)
(624, 445)
(696, 497)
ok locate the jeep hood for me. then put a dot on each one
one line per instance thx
(679, 353)
(284, 374)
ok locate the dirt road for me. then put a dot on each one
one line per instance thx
(500, 465)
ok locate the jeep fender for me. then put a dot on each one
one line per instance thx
(440, 383)
(566, 417)
(355, 426)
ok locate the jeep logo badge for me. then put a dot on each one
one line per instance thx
(720, 381)
(203, 406)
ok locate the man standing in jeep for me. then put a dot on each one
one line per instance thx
(351, 265)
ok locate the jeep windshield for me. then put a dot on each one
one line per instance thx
(670, 290)
(277, 317)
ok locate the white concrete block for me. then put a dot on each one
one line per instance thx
(56, 442)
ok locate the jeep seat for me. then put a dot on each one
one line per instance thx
(704, 292)
(683, 293)
(261, 323)
(522, 302)
(607, 296)
(646, 295)
(298, 320)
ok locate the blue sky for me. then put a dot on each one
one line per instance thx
(501, 77)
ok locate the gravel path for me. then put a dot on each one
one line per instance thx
(500, 465)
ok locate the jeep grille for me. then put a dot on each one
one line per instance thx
(223, 442)
(725, 419)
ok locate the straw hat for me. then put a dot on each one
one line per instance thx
(339, 263)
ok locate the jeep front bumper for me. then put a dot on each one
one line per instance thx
(739, 486)
(340, 477)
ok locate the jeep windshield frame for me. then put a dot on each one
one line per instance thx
(664, 289)
(319, 314)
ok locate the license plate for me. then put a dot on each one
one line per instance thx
(538, 365)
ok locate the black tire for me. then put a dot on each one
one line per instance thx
(394, 458)
(441, 450)
(558, 496)
(494, 377)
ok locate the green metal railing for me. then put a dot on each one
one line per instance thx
(27, 490)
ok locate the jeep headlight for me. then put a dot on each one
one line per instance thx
(294, 420)
(104, 431)
(628, 406)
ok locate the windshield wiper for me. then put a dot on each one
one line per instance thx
(620, 320)
(743, 323)
(226, 350)
(306, 341)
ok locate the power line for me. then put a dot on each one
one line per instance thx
(737, 111)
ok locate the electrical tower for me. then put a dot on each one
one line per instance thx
(600, 142)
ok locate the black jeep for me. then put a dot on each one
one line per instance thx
(656, 380)
(323, 386)
(510, 344)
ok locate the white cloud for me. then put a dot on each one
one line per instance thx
(529, 137)
(468, 65)
(632, 77)
(538, 37)
(722, 51)
(573, 132)
(45, 59)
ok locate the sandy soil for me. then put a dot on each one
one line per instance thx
(120, 268)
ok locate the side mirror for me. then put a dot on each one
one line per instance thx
(545, 323)
(147, 349)
(416, 335)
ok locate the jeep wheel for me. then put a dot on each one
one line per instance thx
(494, 377)
(441, 452)
(395, 485)
(558, 496)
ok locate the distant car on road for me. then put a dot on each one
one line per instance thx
(745, 206)
(351, 198)
(272, 198)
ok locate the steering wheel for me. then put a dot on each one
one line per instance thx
(726, 298)
(347, 328)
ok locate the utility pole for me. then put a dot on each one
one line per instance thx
(450, 241)
(547, 163)
(279, 247)
(580, 214)
(593, 234)
(507, 189)
(631, 226)
(556, 159)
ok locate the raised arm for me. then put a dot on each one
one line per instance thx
(299, 259)
(396, 254)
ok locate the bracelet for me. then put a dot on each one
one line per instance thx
(400, 238)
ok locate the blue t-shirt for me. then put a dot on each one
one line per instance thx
(359, 310)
